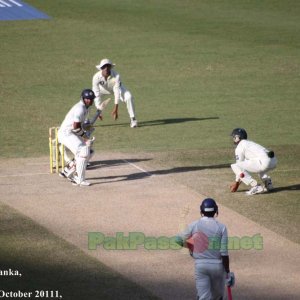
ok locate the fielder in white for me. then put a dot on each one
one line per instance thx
(208, 242)
(71, 135)
(108, 82)
(251, 158)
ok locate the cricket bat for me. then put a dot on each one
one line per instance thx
(229, 293)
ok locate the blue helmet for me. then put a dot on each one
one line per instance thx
(240, 132)
(209, 205)
(88, 94)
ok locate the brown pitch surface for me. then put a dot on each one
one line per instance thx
(126, 197)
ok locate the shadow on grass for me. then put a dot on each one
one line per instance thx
(142, 175)
(163, 121)
(295, 187)
(173, 121)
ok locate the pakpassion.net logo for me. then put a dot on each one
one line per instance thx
(198, 242)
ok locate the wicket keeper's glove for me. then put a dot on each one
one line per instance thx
(234, 186)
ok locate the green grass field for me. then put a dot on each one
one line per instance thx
(219, 64)
(197, 69)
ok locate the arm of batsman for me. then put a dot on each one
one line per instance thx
(90, 141)
(87, 125)
(88, 133)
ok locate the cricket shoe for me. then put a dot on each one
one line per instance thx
(268, 184)
(82, 183)
(62, 174)
(77, 182)
(67, 172)
(258, 189)
(133, 124)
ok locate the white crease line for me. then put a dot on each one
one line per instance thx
(24, 174)
(97, 167)
(36, 174)
(137, 167)
(37, 164)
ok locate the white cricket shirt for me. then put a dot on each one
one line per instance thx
(78, 113)
(249, 150)
(101, 86)
(213, 235)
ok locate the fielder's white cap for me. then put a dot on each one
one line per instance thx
(103, 62)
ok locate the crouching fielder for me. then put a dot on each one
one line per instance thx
(106, 82)
(251, 158)
(71, 134)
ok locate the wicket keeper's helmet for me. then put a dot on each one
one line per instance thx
(88, 94)
(209, 205)
(240, 132)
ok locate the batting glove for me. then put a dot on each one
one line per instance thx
(230, 279)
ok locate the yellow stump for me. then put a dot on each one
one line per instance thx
(56, 151)
(50, 150)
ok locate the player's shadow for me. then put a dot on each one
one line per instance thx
(295, 187)
(173, 121)
(163, 121)
(113, 162)
(142, 175)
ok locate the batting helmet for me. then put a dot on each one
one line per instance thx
(209, 205)
(240, 132)
(88, 94)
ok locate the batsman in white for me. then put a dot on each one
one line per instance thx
(108, 82)
(72, 135)
(207, 240)
(251, 158)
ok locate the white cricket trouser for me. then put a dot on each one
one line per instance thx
(210, 280)
(127, 98)
(258, 166)
(68, 156)
(79, 148)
